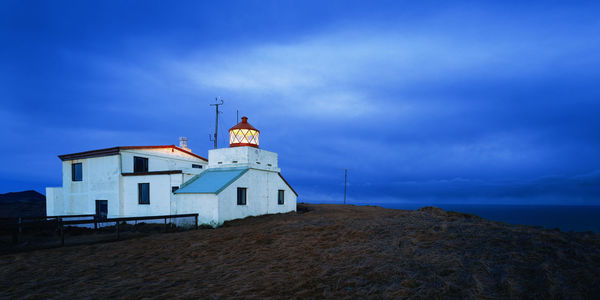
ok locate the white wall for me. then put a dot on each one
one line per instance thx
(262, 188)
(162, 160)
(205, 205)
(243, 157)
(100, 181)
(54, 201)
(160, 194)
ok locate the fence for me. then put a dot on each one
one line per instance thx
(52, 224)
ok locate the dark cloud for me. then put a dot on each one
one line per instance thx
(439, 103)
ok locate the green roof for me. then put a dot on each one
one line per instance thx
(211, 181)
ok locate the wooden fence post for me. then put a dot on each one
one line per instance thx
(117, 229)
(165, 224)
(15, 235)
(196, 221)
(62, 232)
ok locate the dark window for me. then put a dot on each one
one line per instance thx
(76, 172)
(140, 164)
(101, 209)
(280, 196)
(174, 188)
(241, 197)
(196, 166)
(143, 193)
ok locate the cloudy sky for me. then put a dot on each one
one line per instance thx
(424, 102)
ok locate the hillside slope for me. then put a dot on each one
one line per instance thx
(22, 204)
(332, 251)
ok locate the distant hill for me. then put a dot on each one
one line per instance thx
(22, 204)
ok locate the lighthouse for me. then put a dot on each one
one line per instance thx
(243, 134)
(241, 180)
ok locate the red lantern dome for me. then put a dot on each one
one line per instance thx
(243, 134)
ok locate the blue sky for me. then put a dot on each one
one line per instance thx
(424, 102)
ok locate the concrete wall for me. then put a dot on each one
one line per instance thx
(162, 160)
(243, 157)
(205, 205)
(100, 181)
(54, 201)
(161, 197)
(262, 188)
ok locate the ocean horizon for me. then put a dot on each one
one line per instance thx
(578, 218)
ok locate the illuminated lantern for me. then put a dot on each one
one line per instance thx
(243, 134)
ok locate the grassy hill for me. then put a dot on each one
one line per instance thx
(22, 204)
(331, 251)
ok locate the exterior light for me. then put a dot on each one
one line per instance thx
(243, 134)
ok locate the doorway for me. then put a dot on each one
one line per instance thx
(101, 209)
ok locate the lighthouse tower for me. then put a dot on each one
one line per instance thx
(243, 150)
(241, 180)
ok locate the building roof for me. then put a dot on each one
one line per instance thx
(116, 150)
(211, 181)
(243, 125)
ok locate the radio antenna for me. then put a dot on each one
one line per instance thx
(216, 105)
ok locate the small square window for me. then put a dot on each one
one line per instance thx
(76, 172)
(140, 164)
(174, 188)
(195, 166)
(280, 197)
(143, 193)
(241, 196)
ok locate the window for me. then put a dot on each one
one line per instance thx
(76, 172)
(280, 196)
(143, 193)
(174, 188)
(241, 197)
(140, 164)
(196, 166)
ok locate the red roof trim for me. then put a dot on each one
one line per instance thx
(242, 145)
(115, 150)
(291, 188)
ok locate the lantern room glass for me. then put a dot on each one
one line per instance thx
(243, 137)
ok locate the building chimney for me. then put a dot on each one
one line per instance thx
(183, 143)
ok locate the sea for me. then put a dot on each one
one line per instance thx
(565, 218)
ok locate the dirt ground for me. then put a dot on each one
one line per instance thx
(330, 251)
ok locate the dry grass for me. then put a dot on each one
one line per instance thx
(331, 251)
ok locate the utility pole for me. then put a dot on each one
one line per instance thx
(345, 183)
(216, 105)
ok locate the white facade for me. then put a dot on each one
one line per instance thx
(110, 176)
(262, 182)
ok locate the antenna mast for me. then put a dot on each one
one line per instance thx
(345, 182)
(216, 105)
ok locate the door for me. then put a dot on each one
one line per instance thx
(101, 209)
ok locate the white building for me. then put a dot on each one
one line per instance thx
(235, 182)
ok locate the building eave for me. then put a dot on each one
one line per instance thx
(168, 172)
(291, 188)
(116, 150)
